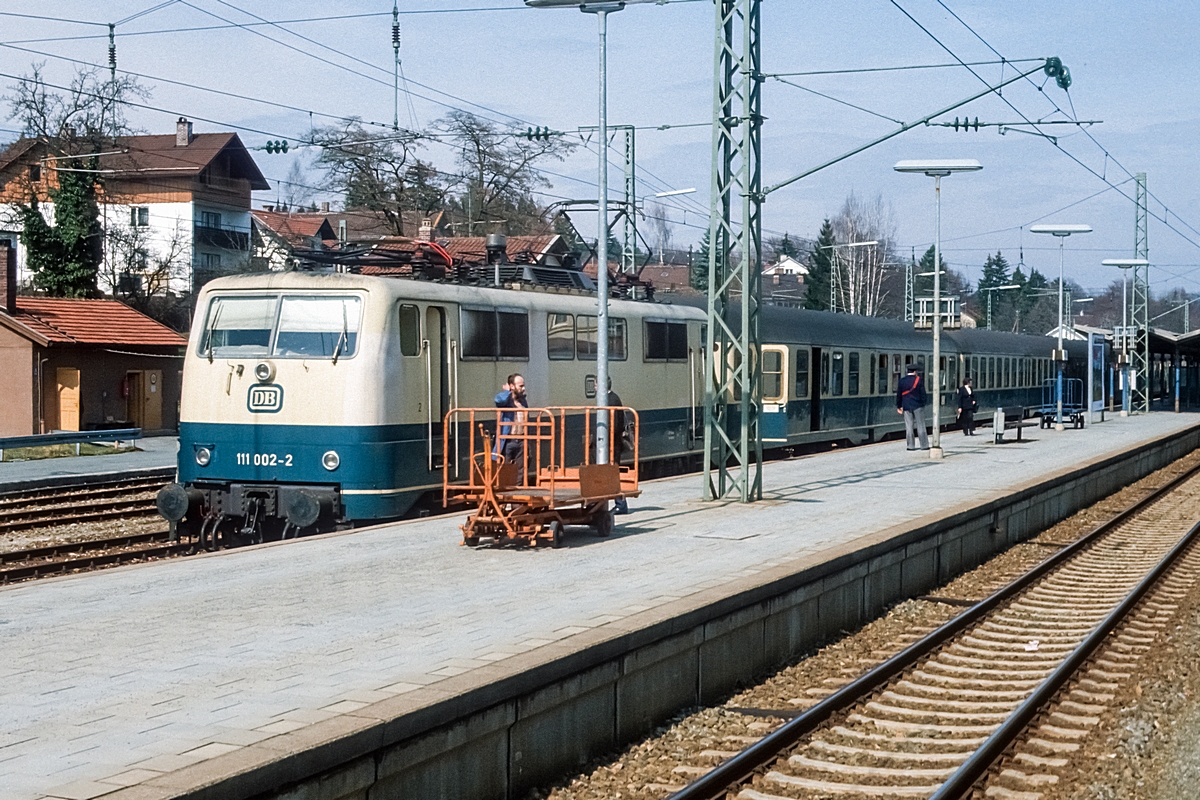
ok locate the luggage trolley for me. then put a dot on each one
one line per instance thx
(555, 483)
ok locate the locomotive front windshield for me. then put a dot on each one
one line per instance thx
(283, 326)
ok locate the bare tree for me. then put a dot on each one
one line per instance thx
(77, 119)
(139, 268)
(859, 272)
(660, 229)
(378, 171)
(297, 193)
(499, 170)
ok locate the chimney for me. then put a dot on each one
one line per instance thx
(324, 206)
(8, 287)
(183, 132)
(425, 232)
(268, 208)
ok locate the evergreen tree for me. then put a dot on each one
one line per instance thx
(65, 258)
(995, 272)
(820, 261)
(786, 247)
(699, 270)
(923, 283)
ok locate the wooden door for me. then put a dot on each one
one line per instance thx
(68, 398)
(152, 399)
(135, 406)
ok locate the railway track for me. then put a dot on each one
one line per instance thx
(997, 699)
(62, 559)
(40, 508)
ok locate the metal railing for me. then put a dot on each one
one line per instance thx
(69, 437)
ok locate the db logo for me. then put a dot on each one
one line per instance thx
(264, 399)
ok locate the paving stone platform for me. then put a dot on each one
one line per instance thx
(114, 678)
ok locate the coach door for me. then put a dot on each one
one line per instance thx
(437, 381)
(773, 413)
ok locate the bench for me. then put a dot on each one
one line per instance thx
(1009, 419)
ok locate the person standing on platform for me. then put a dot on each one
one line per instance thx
(910, 401)
(512, 396)
(616, 435)
(967, 406)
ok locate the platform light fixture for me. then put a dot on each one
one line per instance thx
(1125, 264)
(1061, 232)
(601, 8)
(937, 169)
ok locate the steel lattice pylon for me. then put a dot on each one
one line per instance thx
(1140, 358)
(629, 241)
(732, 396)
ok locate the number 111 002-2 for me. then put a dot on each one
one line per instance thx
(264, 460)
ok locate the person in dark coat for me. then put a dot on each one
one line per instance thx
(616, 437)
(910, 401)
(967, 406)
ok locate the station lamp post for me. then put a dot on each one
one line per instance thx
(601, 8)
(1061, 232)
(938, 169)
(1125, 264)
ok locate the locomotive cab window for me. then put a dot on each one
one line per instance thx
(239, 327)
(318, 327)
(410, 330)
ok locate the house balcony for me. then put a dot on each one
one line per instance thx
(221, 238)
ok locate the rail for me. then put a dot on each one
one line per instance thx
(715, 783)
(69, 437)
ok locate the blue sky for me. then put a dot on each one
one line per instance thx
(1134, 66)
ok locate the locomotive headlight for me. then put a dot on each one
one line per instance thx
(264, 371)
(330, 460)
(203, 456)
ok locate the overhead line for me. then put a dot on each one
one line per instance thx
(862, 70)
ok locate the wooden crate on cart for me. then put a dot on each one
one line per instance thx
(553, 482)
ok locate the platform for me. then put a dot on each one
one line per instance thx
(146, 676)
(153, 453)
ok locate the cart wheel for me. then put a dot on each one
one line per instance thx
(604, 523)
(471, 541)
(556, 534)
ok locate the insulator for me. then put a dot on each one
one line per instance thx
(395, 35)
(956, 123)
(112, 56)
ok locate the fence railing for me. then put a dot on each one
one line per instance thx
(69, 437)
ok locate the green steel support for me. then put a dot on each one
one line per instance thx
(910, 270)
(1140, 358)
(629, 243)
(733, 390)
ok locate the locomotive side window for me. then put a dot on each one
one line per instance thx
(838, 375)
(239, 326)
(585, 338)
(410, 330)
(802, 373)
(513, 330)
(665, 341)
(492, 334)
(852, 377)
(560, 337)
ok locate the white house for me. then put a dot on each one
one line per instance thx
(172, 206)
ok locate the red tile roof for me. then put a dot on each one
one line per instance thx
(59, 320)
(296, 229)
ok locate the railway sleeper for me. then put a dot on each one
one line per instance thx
(850, 788)
(893, 756)
(906, 774)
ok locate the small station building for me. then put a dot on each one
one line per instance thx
(76, 365)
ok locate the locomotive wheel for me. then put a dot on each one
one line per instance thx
(556, 534)
(471, 541)
(604, 523)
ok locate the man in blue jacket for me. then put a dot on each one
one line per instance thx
(512, 396)
(910, 401)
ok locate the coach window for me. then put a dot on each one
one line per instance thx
(852, 374)
(824, 372)
(837, 378)
(973, 370)
(772, 376)
(560, 337)
(410, 330)
(801, 373)
(881, 386)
